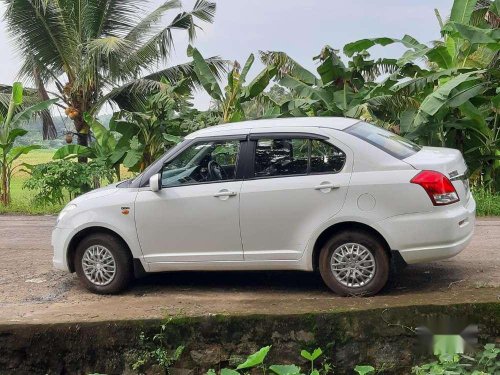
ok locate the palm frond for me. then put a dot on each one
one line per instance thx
(132, 94)
(158, 47)
(39, 30)
(143, 28)
(112, 17)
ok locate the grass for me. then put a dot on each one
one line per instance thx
(21, 202)
(487, 204)
(21, 198)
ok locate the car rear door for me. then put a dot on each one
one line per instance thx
(295, 182)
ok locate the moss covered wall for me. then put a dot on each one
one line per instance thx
(374, 337)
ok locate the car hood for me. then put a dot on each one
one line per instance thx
(97, 193)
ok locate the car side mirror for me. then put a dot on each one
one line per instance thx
(155, 182)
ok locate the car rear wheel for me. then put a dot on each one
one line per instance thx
(103, 264)
(354, 263)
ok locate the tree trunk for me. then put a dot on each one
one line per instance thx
(49, 129)
(5, 194)
(83, 134)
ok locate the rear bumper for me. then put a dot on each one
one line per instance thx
(425, 237)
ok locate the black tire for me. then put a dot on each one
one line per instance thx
(124, 271)
(373, 245)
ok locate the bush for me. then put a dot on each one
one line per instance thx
(55, 181)
(483, 363)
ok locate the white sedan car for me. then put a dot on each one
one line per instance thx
(336, 195)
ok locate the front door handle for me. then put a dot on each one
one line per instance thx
(326, 187)
(225, 193)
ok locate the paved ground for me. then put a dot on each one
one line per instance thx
(32, 292)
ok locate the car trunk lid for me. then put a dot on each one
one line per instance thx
(449, 162)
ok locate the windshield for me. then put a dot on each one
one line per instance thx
(169, 152)
(387, 141)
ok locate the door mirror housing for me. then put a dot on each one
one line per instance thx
(155, 182)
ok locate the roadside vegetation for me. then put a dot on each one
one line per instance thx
(445, 93)
(156, 353)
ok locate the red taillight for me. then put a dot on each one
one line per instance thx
(438, 187)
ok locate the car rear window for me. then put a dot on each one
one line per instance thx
(391, 143)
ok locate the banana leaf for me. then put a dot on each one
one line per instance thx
(70, 151)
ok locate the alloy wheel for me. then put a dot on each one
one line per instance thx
(353, 265)
(99, 265)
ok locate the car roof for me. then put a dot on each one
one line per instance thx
(273, 125)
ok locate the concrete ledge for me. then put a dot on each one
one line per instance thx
(375, 336)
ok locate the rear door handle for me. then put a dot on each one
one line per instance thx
(325, 186)
(225, 193)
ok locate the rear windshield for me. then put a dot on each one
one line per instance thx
(391, 143)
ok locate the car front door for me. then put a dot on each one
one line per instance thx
(195, 216)
(297, 182)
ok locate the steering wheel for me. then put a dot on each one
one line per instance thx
(216, 172)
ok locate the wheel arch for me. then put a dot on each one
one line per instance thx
(328, 232)
(75, 240)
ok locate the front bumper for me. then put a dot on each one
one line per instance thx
(439, 234)
(60, 238)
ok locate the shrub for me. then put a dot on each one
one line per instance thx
(58, 180)
(483, 363)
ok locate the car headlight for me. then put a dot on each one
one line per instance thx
(64, 211)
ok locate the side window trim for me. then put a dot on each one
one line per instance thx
(293, 135)
(245, 167)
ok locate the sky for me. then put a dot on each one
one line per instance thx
(299, 27)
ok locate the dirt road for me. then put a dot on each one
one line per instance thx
(32, 292)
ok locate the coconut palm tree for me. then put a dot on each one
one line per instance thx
(100, 50)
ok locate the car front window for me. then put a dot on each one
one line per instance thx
(205, 161)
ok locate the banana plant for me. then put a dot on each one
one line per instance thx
(230, 98)
(109, 146)
(338, 90)
(156, 126)
(10, 130)
(454, 100)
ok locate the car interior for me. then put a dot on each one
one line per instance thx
(204, 162)
(216, 160)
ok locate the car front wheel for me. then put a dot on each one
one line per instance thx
(354, 263)
(103, 264)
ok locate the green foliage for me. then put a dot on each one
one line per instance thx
(487, 202)
(53, 182)
(364, 369)
(155, 351)
(484, 362)
(285, 369)
(454, 101)
(157, 126)
(311, 356)
(255, 359)
(10, 130)
(109, 148)
(86, 48)
(230, 99)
